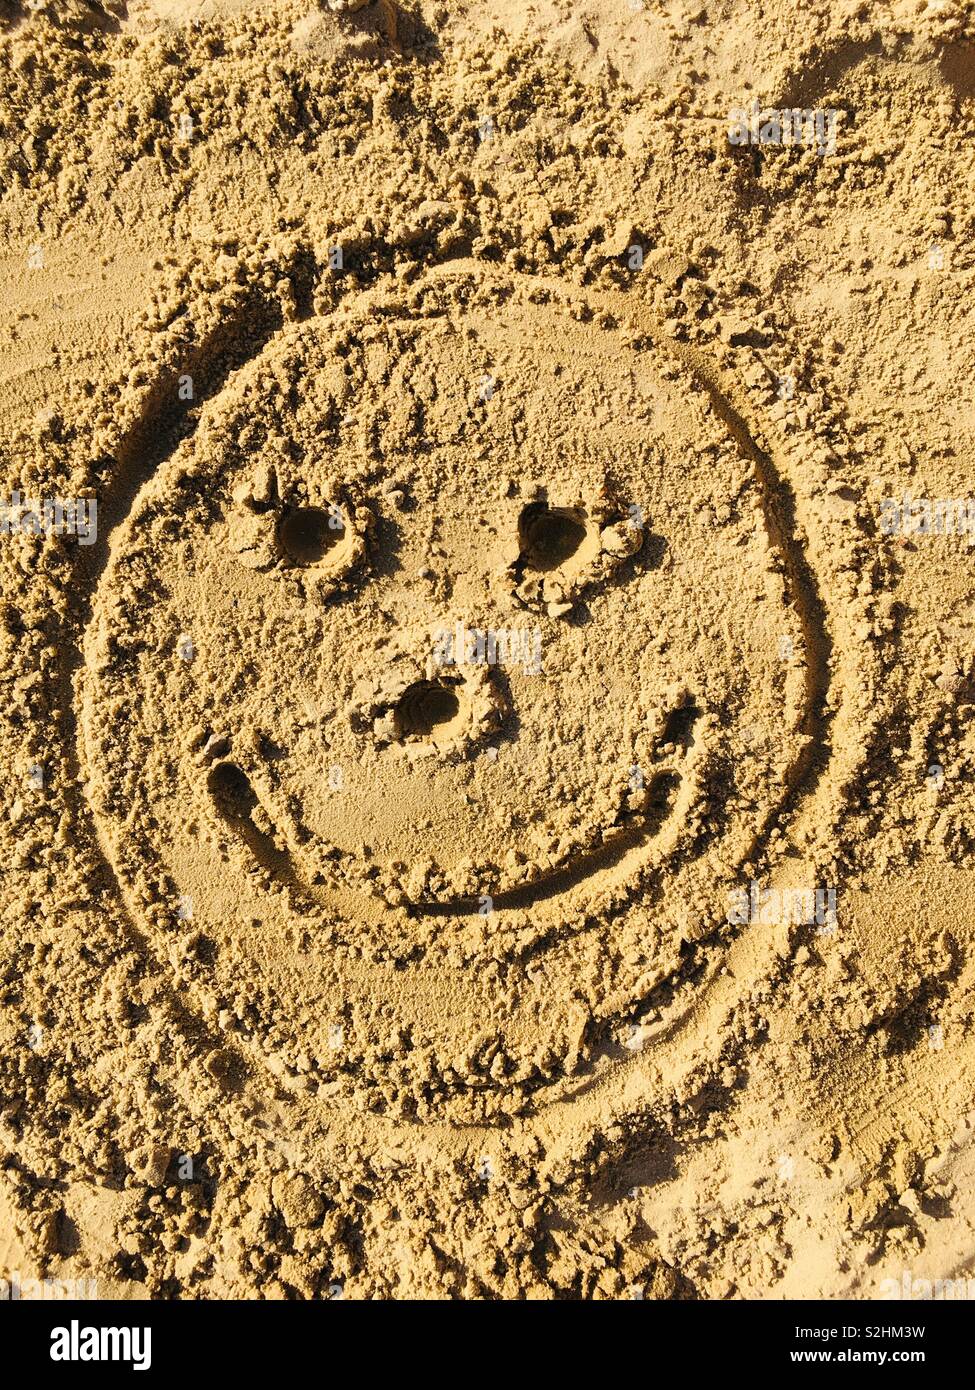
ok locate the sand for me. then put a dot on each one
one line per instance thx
(489, 751)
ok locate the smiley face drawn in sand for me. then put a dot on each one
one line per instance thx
(435, 703)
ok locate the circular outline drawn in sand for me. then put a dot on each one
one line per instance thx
(453, 1003)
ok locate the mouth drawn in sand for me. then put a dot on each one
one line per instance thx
(469, 864)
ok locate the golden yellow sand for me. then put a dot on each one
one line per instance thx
(489, 806)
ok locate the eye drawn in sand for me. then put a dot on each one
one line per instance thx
(462, 758)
